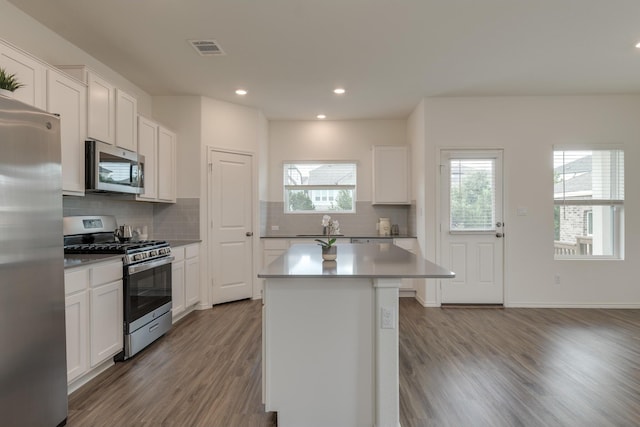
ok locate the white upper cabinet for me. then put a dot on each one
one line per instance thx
(158, 146)
(391, 175)
(126, 121)
(148, 147)
(111, 112)
(29, 71)
(101, 109)
(166, 165)
(67, 97)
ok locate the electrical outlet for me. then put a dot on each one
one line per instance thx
(388, 318)
(275, 228)
(556, 279)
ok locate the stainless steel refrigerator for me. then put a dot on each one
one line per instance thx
(33, 372)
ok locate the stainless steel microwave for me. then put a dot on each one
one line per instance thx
(113, 169)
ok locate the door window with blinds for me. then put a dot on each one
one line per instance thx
(316, 187)
(472, 194)
(588, 194)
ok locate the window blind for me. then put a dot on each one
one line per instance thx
(594, 177)
(472, 194)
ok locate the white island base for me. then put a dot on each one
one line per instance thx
(330, 358)
(330, 334)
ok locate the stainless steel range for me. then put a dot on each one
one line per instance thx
(146, 277)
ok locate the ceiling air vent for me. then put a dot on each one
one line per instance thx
(207, 47)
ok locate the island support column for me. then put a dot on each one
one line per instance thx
(387, 378)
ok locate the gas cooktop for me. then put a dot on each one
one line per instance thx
(114, 247)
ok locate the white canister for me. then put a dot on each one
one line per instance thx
(384, 226)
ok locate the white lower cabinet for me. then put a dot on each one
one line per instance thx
(77, 321)
(272, 249)
(93, 301)
(185, 279)
(177, 282)
(192, 275)
(106, 322)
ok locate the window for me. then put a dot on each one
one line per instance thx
(319, 187)
(588, 203)
(472, 195)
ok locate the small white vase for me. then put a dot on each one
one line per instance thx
(7, 93)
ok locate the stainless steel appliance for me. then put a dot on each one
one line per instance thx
(33, 367)
(113, 169)
(146, 277)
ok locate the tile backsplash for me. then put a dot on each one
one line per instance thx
(363, 222)
(177, 221)
(163, 221)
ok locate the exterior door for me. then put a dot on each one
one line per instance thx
(471, 226)
(231, 195)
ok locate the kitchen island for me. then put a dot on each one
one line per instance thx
(330, 334)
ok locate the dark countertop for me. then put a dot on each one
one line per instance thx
(340, 236)
(77, 260)
(185, 242)
(370, 260)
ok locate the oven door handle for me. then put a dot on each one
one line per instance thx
(138, 268)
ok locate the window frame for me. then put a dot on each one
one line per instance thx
(325, 188)
(617, 206)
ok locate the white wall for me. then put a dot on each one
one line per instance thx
(330, 140)
(527, 128)
(425, 289)
(21, 30)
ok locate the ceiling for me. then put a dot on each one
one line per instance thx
(291, 54)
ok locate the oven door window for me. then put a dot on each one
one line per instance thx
(147, 290)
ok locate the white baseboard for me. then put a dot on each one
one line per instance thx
(570, 305)
(425, 303)
(407, 293)
(79, 382)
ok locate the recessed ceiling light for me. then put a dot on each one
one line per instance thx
(241, 92)
(638, 45)
(321, 116)
(339, 91)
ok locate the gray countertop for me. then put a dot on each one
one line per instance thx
(77, 260)
(371, 260)
(339, 236)
(177, 243)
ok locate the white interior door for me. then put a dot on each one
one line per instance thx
(231, 237)
(472, 226)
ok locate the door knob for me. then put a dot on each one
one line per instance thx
(249, 233)
(499, 224)
(499, 235)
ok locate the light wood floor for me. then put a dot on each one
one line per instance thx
(458, 367)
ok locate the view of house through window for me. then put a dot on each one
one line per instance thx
(588, 203)
(319, 187)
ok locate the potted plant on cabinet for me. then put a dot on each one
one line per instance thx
(8, 83)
